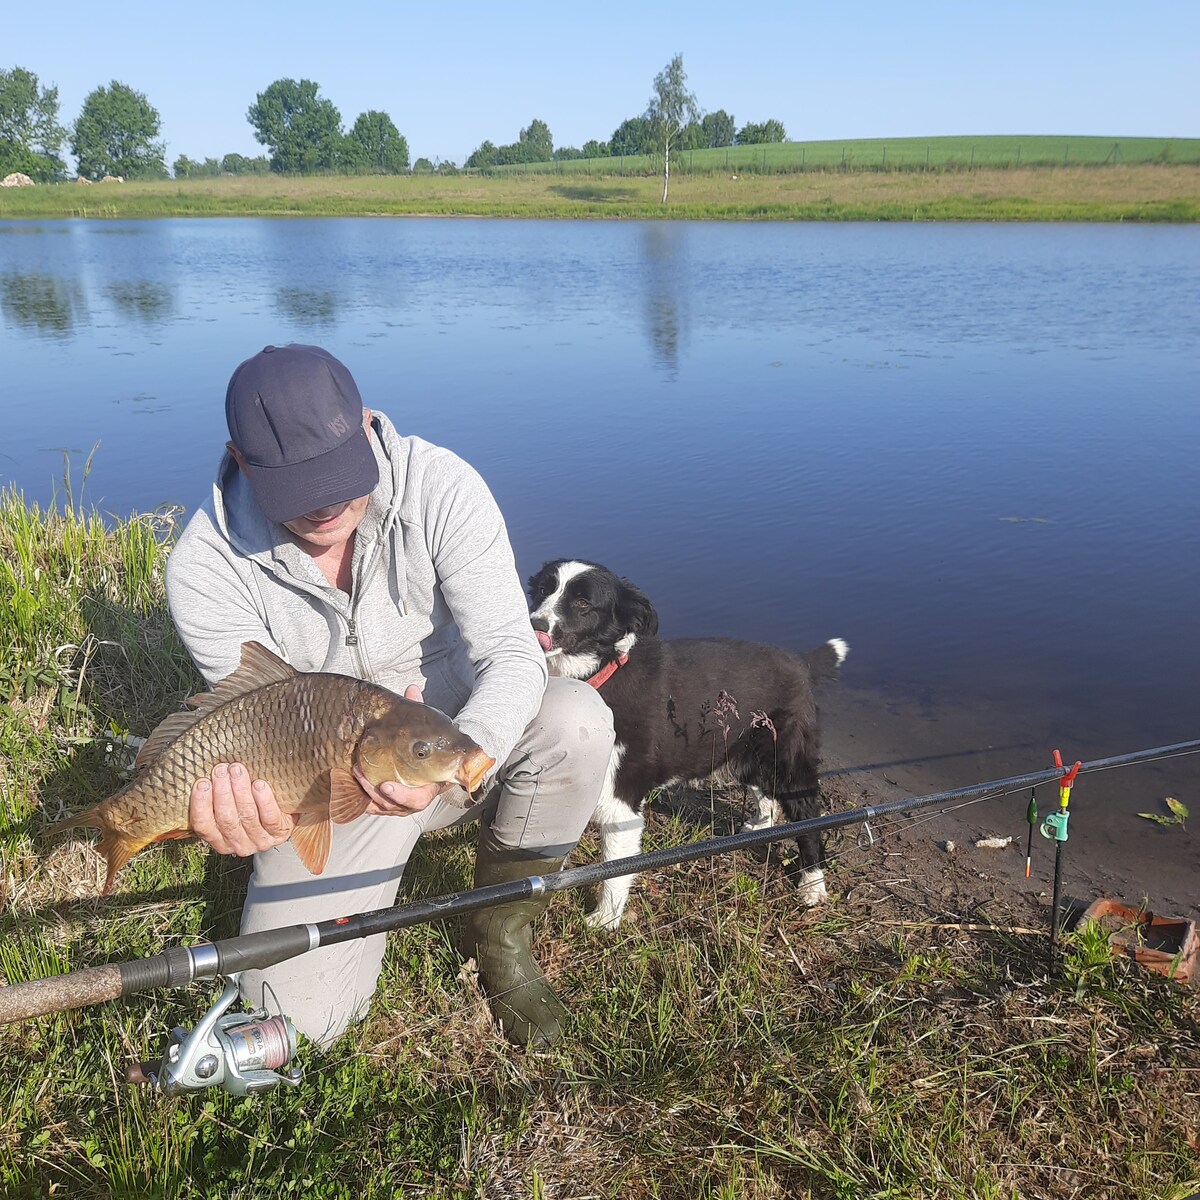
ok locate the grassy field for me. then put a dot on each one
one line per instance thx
(898, 154)
(1138, 192)
(907, 1041)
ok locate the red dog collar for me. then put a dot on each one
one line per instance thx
(607, 671)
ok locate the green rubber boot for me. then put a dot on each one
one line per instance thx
(500, 941)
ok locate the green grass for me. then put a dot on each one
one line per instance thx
(1123, 192)
(895, 154)
(724, 1043)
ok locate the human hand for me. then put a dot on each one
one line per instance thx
(392, 799)
(237, 815)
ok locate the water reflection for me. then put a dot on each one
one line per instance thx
(307, 306)
(665, 271)
(142, 299)
(42, 303)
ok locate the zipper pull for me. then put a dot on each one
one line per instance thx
(351, 633)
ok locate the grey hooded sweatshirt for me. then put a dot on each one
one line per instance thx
(435, 599)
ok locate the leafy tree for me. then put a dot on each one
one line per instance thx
(30, 135)
(595, 149)
(424, 167)
(670, 110)
(484, 155)
(239, 164)
(757, 135)
(567, 153)
(375, 144)
(718, 128)
(535, 143)
(633, 136)
(302, 130)
(447, 167)
(116, 133)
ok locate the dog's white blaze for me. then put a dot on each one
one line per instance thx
(548, 609)
(572, 666)
(840, 648)
(620, 837)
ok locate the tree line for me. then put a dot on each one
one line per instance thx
(117, 133)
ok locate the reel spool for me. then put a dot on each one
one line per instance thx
(240, 1052)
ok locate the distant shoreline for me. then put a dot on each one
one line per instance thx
(1142, 192)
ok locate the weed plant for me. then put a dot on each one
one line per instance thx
(904, 1041)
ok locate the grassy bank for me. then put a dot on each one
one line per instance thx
(1142, 192)
(907, 1041)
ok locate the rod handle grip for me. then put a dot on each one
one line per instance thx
(39, 997)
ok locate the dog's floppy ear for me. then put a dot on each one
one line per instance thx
(634, 612)
(532, 581)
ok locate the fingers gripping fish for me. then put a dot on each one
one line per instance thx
(310, 735)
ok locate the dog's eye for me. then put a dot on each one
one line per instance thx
(582, 604)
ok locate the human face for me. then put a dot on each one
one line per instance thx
(325, 528)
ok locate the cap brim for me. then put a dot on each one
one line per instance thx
(344, 473)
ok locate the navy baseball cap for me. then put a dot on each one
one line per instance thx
(296, 417)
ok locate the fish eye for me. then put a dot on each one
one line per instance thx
(421, 749)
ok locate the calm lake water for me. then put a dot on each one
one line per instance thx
(970, 450)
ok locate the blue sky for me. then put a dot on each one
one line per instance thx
(452, 75)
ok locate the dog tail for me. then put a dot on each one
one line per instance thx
(824, 661)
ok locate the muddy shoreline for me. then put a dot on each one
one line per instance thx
(879, 747)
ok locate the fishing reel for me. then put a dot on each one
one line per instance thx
(240, 1052)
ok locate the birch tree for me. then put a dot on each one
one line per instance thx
(671, 109)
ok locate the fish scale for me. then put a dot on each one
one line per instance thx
(314, 737)
(285, 733)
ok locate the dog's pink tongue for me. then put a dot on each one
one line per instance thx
(543, 639)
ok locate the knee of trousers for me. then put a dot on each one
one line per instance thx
(575, 721)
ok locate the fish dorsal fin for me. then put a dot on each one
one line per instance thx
(347, 800)
(259, 667)
(312, 838)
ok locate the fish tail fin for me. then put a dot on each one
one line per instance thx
(313, 837)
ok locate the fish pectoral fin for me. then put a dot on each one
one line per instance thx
(312, 838)
(347, 800)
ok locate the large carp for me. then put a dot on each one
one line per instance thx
(310, 735)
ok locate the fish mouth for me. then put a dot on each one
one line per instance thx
(472, 769)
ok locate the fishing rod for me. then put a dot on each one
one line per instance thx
(241, 1051)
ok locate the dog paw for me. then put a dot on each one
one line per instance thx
(812, 888)
(603, 918)
(753, 824)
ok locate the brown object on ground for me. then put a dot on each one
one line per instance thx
(1168, 945)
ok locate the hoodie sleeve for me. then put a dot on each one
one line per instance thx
(211, 597)
(468, 544)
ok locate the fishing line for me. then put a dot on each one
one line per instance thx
(231, 1043)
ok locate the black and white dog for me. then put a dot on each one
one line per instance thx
(684, 709)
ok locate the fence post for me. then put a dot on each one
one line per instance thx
(1018, 154)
